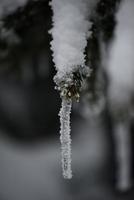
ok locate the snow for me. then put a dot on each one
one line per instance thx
(65, 138)
(70, 32)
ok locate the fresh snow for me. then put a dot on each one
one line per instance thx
(70, 33)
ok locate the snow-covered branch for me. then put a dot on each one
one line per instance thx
(70, 32)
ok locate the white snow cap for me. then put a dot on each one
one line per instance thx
(70, 32)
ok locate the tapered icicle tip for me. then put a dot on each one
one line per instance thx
(65, 137)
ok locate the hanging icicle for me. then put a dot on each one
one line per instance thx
(69, 91)
(65, 137)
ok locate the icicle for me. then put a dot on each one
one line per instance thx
(65, 137)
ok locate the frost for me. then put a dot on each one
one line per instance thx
(65, 138)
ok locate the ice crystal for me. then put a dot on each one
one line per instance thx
(65, 137)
